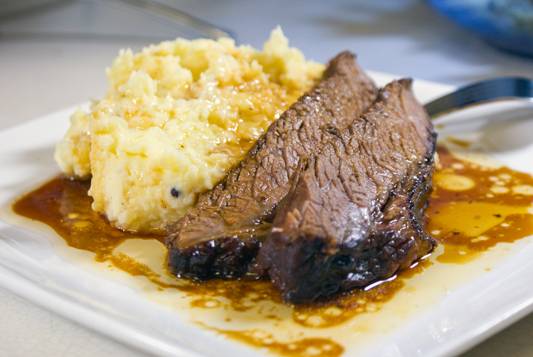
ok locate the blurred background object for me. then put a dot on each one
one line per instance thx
(97, 19)
(9, 8)
(507, 24)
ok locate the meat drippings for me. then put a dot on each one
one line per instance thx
(472, 209)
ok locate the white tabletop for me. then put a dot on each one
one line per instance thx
(42, 73)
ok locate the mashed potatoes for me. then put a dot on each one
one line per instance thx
(176, 117)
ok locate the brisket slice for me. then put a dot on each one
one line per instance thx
(221, 235)
(355, 214)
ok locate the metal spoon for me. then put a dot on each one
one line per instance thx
(490, 90)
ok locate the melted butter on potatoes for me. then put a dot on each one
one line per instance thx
(176, 117)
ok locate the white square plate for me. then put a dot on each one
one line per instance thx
(447, 309)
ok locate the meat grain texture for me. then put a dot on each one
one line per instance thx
(355, 213)
(222, 234)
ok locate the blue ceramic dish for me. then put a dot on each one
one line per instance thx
(507, 24)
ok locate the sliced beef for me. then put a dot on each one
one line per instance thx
(355, 213)
(221, 235)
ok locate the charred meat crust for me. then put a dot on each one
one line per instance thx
(221, 258)
(356, 214)
(221, 235)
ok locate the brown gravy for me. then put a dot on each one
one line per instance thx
(472, 208)
(315, 346)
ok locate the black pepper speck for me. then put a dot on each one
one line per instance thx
(174, 192)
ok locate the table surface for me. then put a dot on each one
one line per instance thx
(46, 70)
